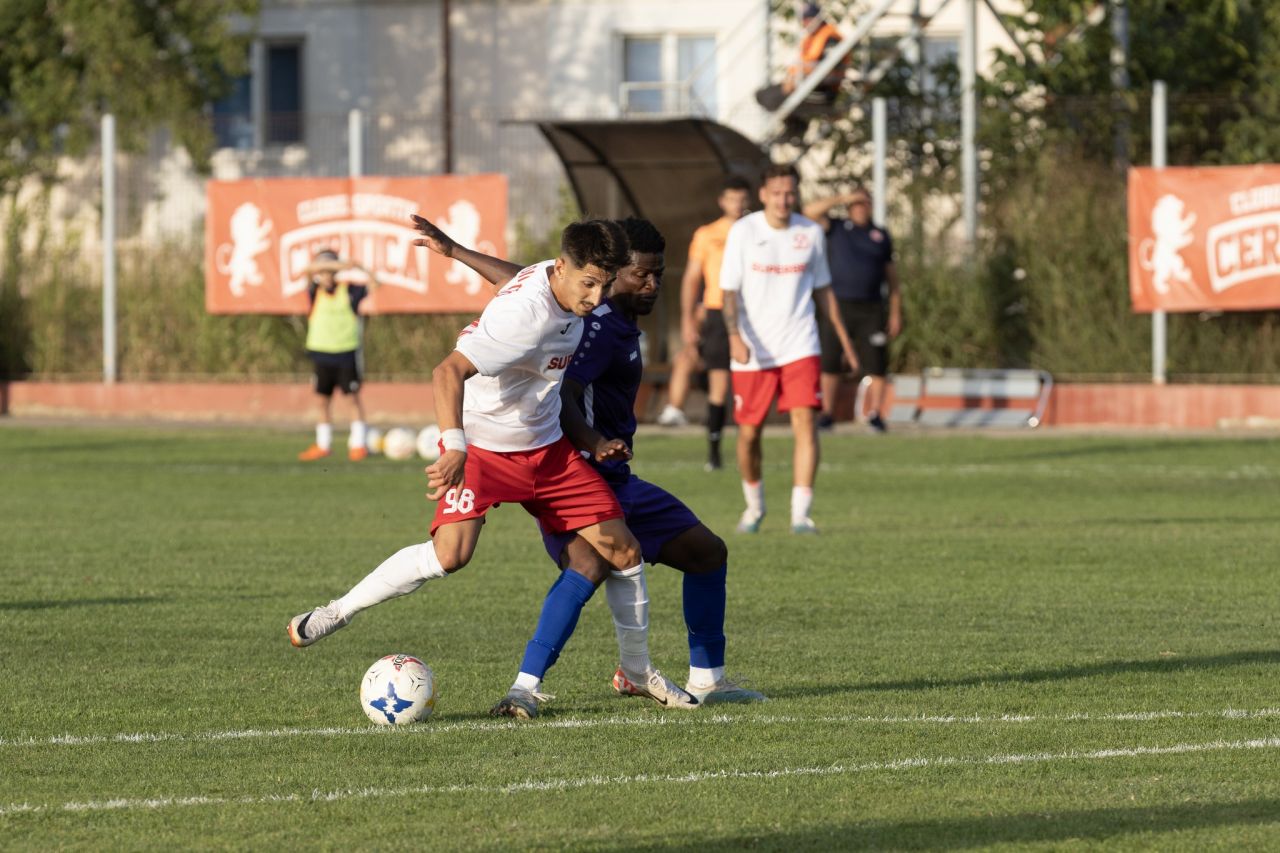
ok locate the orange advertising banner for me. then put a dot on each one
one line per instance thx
(1204, 239)
(260, 235)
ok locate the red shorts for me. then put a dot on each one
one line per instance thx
(554, 484)
(795, 384)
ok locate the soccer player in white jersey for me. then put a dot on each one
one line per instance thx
(775, 265)
(502, 443)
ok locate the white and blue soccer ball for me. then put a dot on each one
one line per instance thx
(429, 443)
(400, 443)
(398, 690)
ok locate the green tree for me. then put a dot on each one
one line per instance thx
(63, 63)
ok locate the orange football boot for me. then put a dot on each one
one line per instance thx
(312, 453)
(356, 454)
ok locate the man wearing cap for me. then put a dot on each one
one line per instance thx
(333, 345)
(865, 282)
(820, 37)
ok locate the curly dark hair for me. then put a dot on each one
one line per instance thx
(643, 236)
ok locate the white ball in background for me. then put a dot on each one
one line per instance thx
(429, 443)
(373, 439)
(399, 444)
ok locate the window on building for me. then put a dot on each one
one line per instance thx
(642, 74)
(283, 93)
(669, 73)
(941, 58)
(233, 115)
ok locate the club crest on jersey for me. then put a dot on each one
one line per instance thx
(800, 240)
(559, 362)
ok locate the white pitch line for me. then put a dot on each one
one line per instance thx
(616, 721)
(542, 785)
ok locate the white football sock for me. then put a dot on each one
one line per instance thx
(628, 596)
(324, 436)
(703, 677)
(357, 437)
(525, 681)
(801, 502)
(754, 493)
(400, 574)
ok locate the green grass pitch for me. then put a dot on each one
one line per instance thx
(1032, 641)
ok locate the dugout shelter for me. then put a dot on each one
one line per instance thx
(667, 171)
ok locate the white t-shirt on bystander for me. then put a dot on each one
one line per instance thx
(775, 272)
(521, 345)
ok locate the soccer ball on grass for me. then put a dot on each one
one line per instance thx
(398, 690)
(400, 444)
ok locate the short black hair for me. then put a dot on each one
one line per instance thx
(325, 255)
(735, 182)
(780, 170)
(596, 242)
(642, 236)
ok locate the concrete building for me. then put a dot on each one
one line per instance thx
(504, 65)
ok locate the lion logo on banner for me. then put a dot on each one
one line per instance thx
(1171, 225)
(463, 224)
(248, 240)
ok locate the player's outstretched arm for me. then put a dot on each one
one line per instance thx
(447, 382)
(580, 433)
(496, 271)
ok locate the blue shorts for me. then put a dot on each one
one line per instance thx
(654, 516)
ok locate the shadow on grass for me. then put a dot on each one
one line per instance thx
(66, 603)
(1157, 666)
(1028, 828)
(1107, 450)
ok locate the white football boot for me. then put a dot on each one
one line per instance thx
(305, 628)
(672, 417)
(656, 686)
(724, 691)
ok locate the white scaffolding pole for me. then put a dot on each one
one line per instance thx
(1159, 159)
(109, 248)
(969, 119)
(880, 141)
(355, 144)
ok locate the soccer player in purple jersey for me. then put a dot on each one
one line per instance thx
(599, 392)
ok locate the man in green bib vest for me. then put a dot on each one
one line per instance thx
(333, 344)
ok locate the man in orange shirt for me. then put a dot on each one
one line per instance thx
(820, 36)
(702, 324)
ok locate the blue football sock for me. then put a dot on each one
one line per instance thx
(704, 616)
(559, 617)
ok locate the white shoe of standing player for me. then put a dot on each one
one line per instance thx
(672, 417)
(723, 691)
(656, 686)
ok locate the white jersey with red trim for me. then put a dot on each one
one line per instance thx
(775, 272)
(521, 345)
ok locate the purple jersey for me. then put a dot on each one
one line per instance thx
(609, 368)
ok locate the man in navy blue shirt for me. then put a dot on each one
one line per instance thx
(865, 282)
(597, 413)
